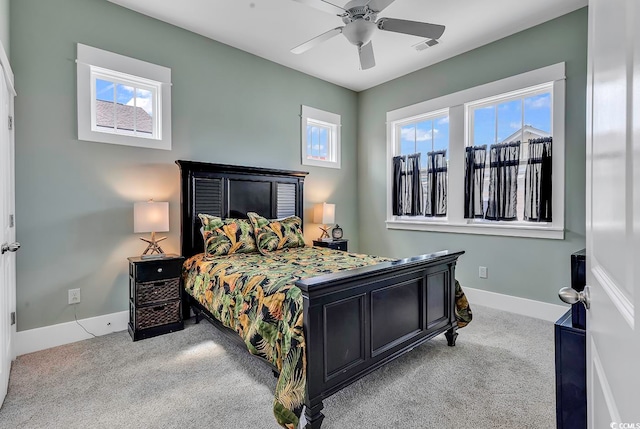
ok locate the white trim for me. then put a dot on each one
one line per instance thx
(513, 83)
(514, 304)
(458, 131)
(8, 73)
(89, 58)
(37, 339)
(518, 229)
(333, 122)
(623, 304)
(597, 370)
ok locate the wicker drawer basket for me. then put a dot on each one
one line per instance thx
(149, 317)
(158, 291)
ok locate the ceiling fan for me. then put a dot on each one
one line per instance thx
(361, 20)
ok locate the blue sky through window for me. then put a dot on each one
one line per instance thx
(424, 137)
(104, 90)
(124, 94)
(317, 142)
(497, 123)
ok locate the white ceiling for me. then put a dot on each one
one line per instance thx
(270, 28)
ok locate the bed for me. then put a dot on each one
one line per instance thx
(352, 321)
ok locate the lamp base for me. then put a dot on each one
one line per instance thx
(153, 250)
(325, 232)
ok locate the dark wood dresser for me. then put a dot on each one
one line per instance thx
(571, 374)
(155, 301)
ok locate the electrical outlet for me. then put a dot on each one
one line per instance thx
(74, 296)
(482, 272)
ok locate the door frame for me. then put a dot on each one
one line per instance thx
(9, 78)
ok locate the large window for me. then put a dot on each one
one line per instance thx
(510, 122)
(421, 164)
(123, 100)
(499, 152)
(320, 143)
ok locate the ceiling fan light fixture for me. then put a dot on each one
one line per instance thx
(359, 32)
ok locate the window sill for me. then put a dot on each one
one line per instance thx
(320, 163)
(502, 229)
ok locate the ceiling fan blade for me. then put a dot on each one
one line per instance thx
(316, 41)
(421, 29)
(379, 5)
(324, 6)
(367, 59)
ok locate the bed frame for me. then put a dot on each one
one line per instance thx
(355, 321)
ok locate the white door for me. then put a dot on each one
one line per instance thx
(613, 214)
(7, 231)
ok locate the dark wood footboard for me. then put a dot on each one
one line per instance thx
(358, 320)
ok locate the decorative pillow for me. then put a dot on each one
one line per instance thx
(276, 234)
(226, 236)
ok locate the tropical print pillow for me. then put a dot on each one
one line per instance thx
(276, 234)
(226, 236)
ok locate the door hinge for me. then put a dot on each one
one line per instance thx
(11, 221)
(10, 123)
(13, 318)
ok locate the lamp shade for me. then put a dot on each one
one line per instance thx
(324, 213)
(151, 216)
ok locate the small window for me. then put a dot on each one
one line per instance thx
(320, 138)
(117, 106)
(124, 105)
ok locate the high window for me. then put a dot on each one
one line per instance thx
(123, 100)
(320, 143)
(486, 160)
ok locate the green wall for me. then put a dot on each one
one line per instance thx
(4, 25)
(75, 199)
(524, 267)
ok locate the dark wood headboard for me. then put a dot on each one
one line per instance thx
(232, 191)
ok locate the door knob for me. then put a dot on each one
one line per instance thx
(6, 247)
(571, 296)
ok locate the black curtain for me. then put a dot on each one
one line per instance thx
(407, 186)
(436, 184)
(475, 161)
(398, 185)
(414, 192)
(537, 181)
(503, 181)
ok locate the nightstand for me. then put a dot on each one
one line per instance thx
(155, 296)
(333, 244)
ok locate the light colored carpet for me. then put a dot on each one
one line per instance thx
(499, 375)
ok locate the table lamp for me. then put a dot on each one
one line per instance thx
(151, 216)
(324, 214)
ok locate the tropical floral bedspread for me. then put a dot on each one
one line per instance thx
(256, 296)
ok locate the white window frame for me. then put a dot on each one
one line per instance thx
(332, 121)
(396, 151)
(458, 136)
(95, 63)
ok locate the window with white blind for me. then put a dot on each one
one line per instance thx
(500, 169)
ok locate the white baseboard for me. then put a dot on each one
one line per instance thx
(514, 304)
(34, 340)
